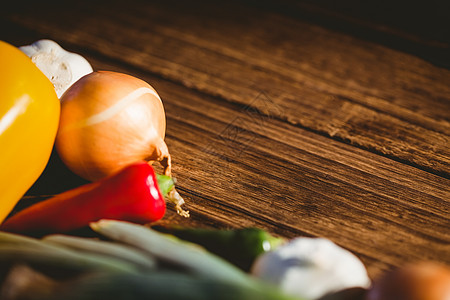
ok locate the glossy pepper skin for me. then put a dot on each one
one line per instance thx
(239, 246)
(29, 118)
(132, 194)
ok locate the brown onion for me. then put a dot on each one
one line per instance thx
(109, 120)
(419, 281)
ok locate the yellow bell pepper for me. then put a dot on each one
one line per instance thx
(29, 118)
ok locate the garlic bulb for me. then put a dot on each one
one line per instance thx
(311, 268)
(63, 68)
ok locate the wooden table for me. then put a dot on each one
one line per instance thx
(304, 118)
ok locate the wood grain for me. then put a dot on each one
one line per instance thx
(276, 122)
(361, 93)
(415, 28)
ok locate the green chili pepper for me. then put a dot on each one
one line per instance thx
(238, 246)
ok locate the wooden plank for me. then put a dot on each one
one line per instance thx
(415, 28)
(369, 96)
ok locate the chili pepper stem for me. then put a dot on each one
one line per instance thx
(172, 196)
(175, 198)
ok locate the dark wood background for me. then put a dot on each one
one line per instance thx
(306, 118)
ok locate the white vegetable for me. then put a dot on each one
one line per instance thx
(63, 68)
(311, 268)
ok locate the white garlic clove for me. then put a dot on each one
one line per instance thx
(311, 268)
(63, 68)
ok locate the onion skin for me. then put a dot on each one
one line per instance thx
(110, 120)
(419, 281)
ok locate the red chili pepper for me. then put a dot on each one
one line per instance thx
(131, 194)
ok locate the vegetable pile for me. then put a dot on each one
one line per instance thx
(109, 129)
(135, 262)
